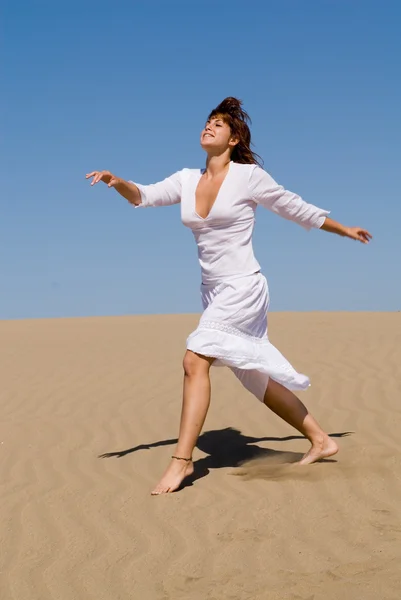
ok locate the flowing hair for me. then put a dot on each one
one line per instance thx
(232, 113)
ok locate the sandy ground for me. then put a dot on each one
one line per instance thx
(89, 415)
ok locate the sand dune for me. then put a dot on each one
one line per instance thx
(89, 415)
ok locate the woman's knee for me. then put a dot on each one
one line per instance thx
(195, 364)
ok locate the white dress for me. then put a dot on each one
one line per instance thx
(235, 296)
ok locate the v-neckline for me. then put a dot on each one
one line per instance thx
(201, 172)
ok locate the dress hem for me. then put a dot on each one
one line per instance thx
(214, 342)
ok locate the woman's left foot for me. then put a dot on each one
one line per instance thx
(176, 472)
(320, 449)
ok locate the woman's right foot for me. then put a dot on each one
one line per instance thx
(175, 474)
(321, 448)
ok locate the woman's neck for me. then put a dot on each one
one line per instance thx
(216, 164)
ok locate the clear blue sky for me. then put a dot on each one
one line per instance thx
(126, 86)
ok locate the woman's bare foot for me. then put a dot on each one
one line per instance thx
(175, 474)
(321, 448)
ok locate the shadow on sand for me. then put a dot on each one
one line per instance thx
(227, 448)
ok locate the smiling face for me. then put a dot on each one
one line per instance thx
(216, 137)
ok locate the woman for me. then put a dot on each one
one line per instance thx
(218, 203)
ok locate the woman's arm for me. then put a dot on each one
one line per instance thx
(269, 193)
(163, 193)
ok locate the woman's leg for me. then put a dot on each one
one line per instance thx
(287, 406)
(195, 404)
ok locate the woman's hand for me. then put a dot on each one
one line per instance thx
(105, 176)
(126, 189)
(359, 234)
(355, 233)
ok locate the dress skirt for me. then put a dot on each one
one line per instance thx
(233, 330)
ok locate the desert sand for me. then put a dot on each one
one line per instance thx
(89, 416)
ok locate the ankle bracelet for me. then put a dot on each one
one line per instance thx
(181, 458)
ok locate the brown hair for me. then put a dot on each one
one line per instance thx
(232, 113)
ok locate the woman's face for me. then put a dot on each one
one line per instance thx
(216, 137)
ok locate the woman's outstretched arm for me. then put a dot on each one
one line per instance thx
(271, 195)
(163, 193)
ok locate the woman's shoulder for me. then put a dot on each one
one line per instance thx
(187, 172)
(245, 168)
(246, 172)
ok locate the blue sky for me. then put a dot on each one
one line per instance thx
(126, 86)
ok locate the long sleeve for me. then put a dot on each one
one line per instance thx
(267, 192)
(163, 193)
